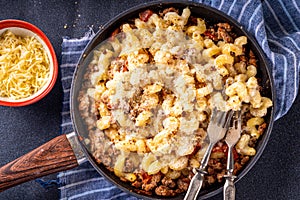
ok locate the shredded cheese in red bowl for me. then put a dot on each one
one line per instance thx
(28, 64)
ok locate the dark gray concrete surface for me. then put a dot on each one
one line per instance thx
(275, 175)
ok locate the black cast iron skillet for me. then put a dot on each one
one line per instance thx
(68, 151)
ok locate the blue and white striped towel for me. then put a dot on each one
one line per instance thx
(274, 24)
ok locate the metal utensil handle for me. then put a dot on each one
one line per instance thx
(229, 189)
(197, 180)
(230, 161)
(194, 187)
(206, 156)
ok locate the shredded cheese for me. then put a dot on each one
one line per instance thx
(24, 66)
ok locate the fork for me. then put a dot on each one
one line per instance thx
(232, 136)
(216, 130)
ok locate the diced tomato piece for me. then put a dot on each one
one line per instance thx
(210, 35)
(114, 33)
(144, 16)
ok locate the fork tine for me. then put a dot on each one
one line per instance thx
(228, 119)
(222, 118)
(236, 122)
(239, 119)
(213, 114)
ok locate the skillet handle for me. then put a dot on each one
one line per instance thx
(54, 156)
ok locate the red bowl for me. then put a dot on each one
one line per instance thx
(23, 28)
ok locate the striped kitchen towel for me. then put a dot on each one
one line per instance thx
(274, 24)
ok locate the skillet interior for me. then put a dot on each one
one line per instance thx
(211, 16)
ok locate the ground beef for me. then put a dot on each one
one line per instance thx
(106, 160)
(261, 128)
(129, 166)
(215, 164)
(84, 105)
(237, 167)
(163, 190)
(224, 26)
(223, 32)
(168, 182)
(221, 175)
(210, 179)
(183, 184)
(139, 181)
(244, 160)
(152, 183)
(172, 9)
(137, 184)
(243, 58)
(252, 59)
